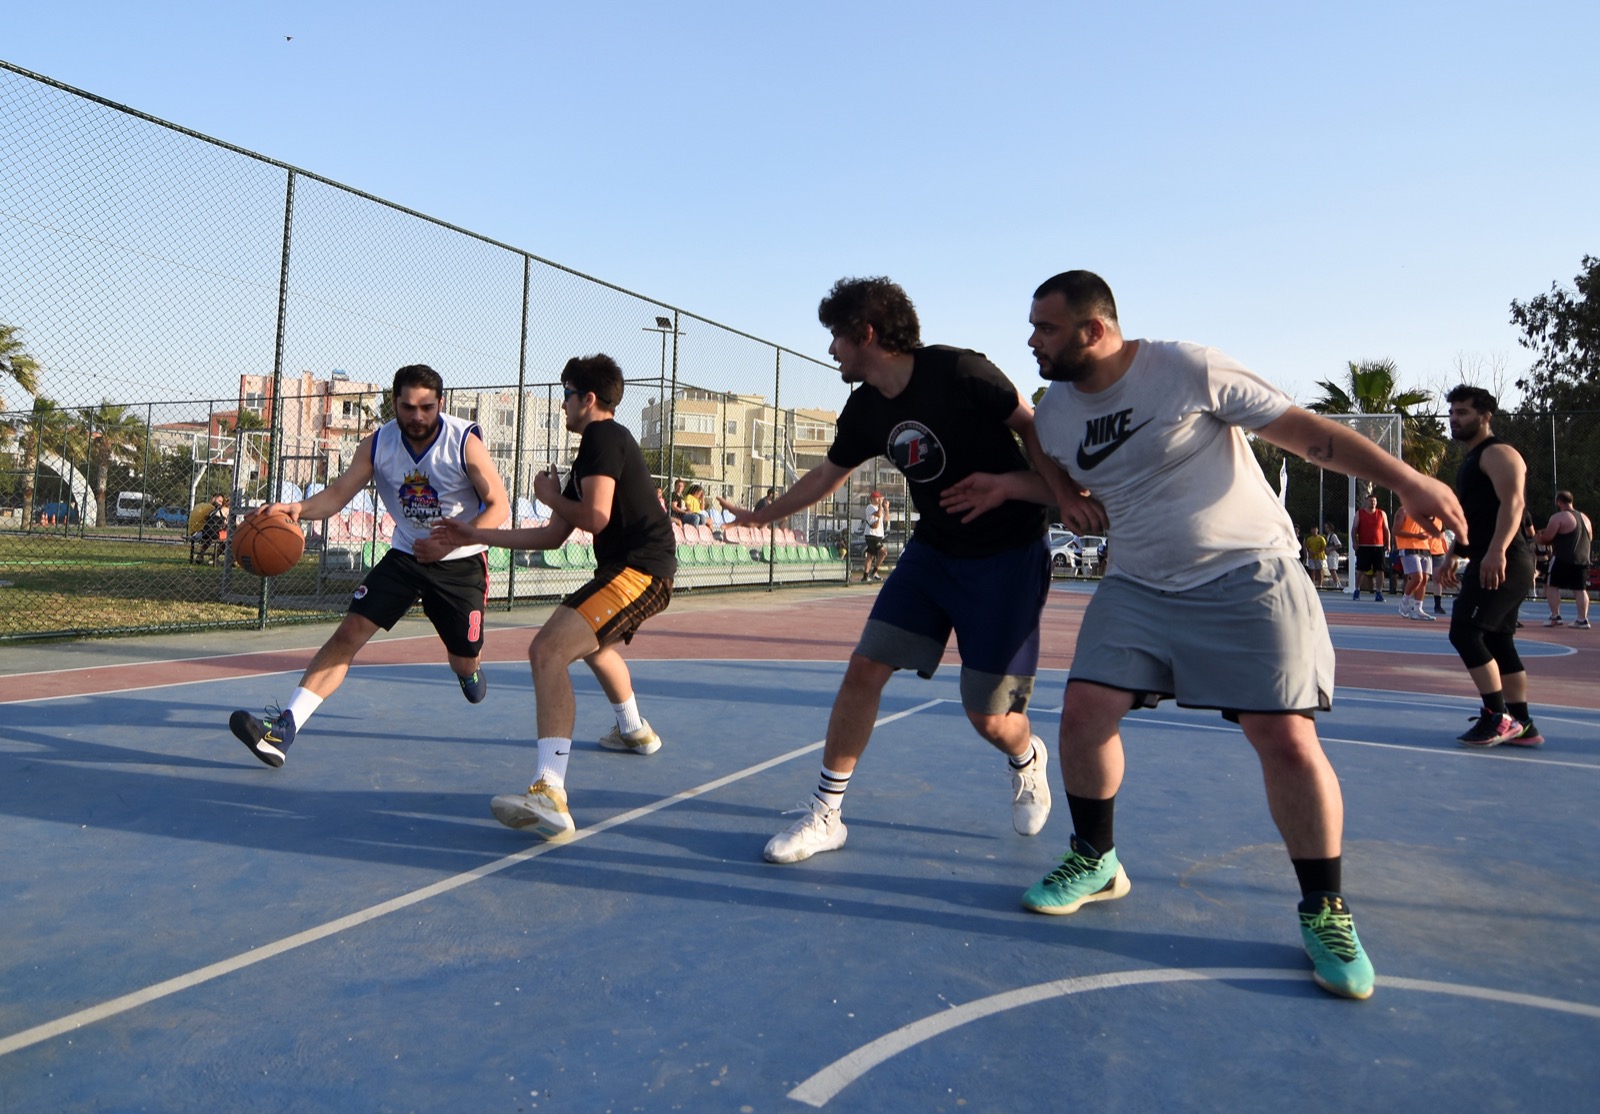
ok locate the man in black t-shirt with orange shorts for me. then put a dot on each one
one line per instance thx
(610, 494)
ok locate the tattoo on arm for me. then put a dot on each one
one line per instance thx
(1317, 452)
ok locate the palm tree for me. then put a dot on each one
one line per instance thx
(114, 437)
(1373, 388)
(45, 428)
(15, 362)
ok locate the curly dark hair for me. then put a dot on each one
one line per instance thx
(855, 303)
(418, 375)
(1476, 397)
(598, 373)
(1084, 292)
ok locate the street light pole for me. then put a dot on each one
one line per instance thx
(667, 326)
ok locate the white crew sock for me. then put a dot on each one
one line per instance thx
(628, 718)
(301, 704)
(831, 787)
(553, 754)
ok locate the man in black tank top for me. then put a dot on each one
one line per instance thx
(1500, 574)
(1570, 536)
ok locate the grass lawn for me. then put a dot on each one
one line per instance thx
(65, 583)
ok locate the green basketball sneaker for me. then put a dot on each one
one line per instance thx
(1339, 965)
(1083, 876)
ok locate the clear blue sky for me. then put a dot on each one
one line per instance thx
(1299, 184)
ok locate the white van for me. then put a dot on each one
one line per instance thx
(131, 506)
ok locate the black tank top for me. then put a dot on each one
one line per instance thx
(1482, 507)
(1572, 548)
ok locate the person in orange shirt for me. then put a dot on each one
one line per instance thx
(1439, 550)
(1411, 538)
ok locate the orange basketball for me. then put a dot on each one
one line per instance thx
(268, 544)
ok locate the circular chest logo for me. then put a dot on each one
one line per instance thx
(916, 451)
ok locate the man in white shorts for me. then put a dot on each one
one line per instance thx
(1203, 600)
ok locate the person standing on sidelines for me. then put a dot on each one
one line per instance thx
(874, 528)
(1335, 551)
(1439, 551)
(427, 465)
(1317, 557)
(1570, 536)
(1371, 535)
(610, 494)
(1499, 573)
(1203, 603)
(938, 414)
(1413, 539)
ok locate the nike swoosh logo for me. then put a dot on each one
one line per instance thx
(562, 753)
(1089, 460)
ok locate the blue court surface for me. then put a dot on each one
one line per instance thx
(190, 930)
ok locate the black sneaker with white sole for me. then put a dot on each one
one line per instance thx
(267, 741)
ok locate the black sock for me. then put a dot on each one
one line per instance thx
(1318, 876)
(1092, 821)
(1519, 712)
(1495, 701)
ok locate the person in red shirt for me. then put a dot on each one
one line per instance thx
(1372, 543)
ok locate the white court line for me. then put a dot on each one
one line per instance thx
(825, 1084)
(168, 987)
(1515, 755)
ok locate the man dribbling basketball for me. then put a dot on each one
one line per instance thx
(428, 465)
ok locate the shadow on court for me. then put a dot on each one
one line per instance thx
(189, 928)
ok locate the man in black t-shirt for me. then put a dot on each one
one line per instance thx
(610, 494)
(939, 414)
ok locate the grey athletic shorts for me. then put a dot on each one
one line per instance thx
(1252, 640)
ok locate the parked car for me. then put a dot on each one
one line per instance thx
(174, 517)
(131, 506)
(1063, 548)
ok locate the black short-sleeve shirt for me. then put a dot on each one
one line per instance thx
(948, 423)
(639, 534)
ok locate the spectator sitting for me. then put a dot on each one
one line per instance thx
(213, 532)
(693, 510)
(677, 509)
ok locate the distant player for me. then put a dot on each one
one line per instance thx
(428, 465)
(874, 528)
(1498, 576)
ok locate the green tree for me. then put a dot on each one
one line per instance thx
(1563, 329)
(15, 362)
(682, 464)
(46, 427)
(1373, 387)
(113, 436)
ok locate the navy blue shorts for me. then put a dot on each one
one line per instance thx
(991, 603)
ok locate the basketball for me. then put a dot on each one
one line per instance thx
(268, 544)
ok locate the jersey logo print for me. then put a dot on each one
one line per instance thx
(1104, 436)
(915, 450)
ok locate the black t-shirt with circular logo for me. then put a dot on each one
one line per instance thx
(948, 423)
(639, 533)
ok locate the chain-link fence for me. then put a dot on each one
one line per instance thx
(1562, 452)
(211, 325)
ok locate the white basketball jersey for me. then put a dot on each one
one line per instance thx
(416, 490)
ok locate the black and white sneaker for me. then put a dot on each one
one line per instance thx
(267, 741)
